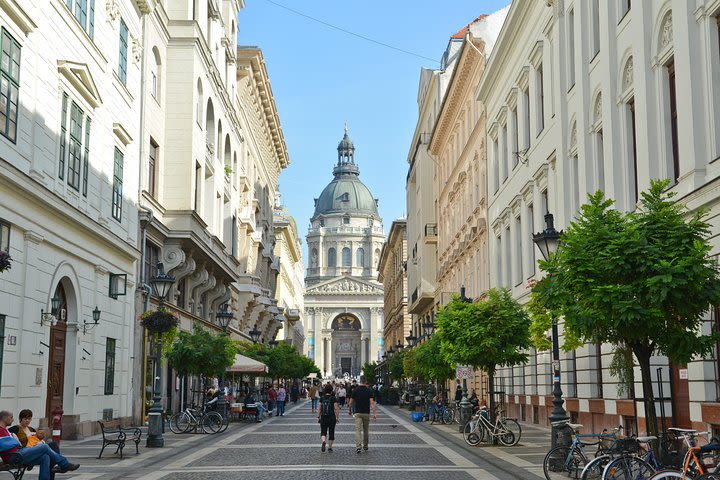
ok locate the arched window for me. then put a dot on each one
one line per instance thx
(332, 260)
(155, 74)
(346, 257)
(219, 140)
(314, 258)
(199, 107)
(210, 127)
(360, 257)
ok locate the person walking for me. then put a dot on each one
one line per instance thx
(281, 397)
(313, 394)
(294, 392)
(341, 394)
(328, 416)
(271, 399)
(361, 401)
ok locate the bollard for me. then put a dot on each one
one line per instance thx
(56, 423)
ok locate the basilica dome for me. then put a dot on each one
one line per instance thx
(346, 193)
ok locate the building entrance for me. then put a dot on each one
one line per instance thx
(56, 362)
(346, 345)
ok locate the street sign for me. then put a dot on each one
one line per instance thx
(464, 372)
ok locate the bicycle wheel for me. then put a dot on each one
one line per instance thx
(667, 474)
(709, 476)
(628, 467)
(211, 422)
(595, 467)
(225, 423)
(471, 434)
(561, 462)
(507, 438)
(448, 417)
(513, 427)
(180, 422)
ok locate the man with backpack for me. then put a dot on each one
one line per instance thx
(361, 400)
(328, 416)
(314, 397)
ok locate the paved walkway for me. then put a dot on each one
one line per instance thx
(288, 447)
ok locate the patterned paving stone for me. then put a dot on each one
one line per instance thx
(312, 456)
(349, 474)
(342, 427)
(314, 438)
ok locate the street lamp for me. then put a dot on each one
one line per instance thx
(548, 242)
(411, 339)
(255, 334)
(429, 327)
(160, 285)
(223, 316)
(399, 346)
(465, 405)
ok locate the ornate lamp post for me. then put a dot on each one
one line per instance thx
(224, 315)
(465, 405)
(548, 241)
(255, 334)
(160, 284)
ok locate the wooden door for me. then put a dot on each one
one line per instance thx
(680, 393)
(56, 361)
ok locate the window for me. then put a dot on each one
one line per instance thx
(673, 121)
(4, 236)
(63, 136)
(531, 221)
(514, 145)
(496, 165)
(199, 105)
(360, 257)
(526, 97)
(122, 65)
(633, 152)
(75, 153)
(518, 251)
(9, 85)
(540, 100)
(198, 180)
(332, 258)
(152, 158)
(109, 366)
(507, 274)
(233, 236)
(86, 157)
(595, 39)
(600, 159)
(575, 185)
(346, 220)
(152, 257)
(117, 199)
(625, 6)
(346, 257)
(84, 11)
(504, 152)
(571, 48)
(155, 74)
(498, 261)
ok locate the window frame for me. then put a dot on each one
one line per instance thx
(5, 237)
(13, 82)
(87, 23)
(117, 200)
(63, 135)
(673, 113)
(75, 150)
(109, 383)
(86, 157)
(152, 168)
(122, 59)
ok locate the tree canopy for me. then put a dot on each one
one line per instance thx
(641, 280)
(283, 360)
(201, 353)
(425, 361)
(368, 371)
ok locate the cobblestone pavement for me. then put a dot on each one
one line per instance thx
(289, 446)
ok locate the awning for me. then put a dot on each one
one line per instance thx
(244, 364)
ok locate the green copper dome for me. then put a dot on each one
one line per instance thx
(346, 193)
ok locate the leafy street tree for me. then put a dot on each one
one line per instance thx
(489, 333)
(640, 280)
(283, 360)
(201, 353)
(368, 371)
(425, 361)
(395, 366)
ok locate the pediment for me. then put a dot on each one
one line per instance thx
(78, 74)
(345, 286)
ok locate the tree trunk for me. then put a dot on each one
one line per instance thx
(491, 394)
(643, 354)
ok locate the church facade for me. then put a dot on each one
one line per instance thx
(343, 297)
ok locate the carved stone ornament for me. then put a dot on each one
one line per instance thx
(346, 286)
(666, 31)
(112, 10)
(628, 74)
(136, 50)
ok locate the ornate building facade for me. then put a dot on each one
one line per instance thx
(392, 271)
(291, 280)
(343, 299)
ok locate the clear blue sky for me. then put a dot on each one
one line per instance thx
(322, 77)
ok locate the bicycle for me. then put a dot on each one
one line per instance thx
(699, 462)
(506, 430)
(622, 460)
(440, 412)
(570, 461)
(192, 418)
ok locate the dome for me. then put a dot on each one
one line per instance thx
(346, 193)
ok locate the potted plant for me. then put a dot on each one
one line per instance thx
(159, 321)
(5, 261)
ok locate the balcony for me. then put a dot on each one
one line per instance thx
(431, 232)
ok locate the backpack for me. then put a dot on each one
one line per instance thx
(327, 409)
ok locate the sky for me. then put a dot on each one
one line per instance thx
(322, 78)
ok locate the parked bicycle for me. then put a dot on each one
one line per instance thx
(699, 462)
(570, 461)
(623, 460)
(193, 418)
(440, 413)
(506, 430)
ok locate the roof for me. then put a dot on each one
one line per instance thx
(460, 34)
(346, 194)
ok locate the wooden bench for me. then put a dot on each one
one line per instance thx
(118, 438)
(16, 470)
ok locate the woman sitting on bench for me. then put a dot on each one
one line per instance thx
(24, 431)
(41, 454)
(251, 403)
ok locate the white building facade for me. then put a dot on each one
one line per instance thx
(343, 298)
(290, 290)
(70, 81)
(588, 95)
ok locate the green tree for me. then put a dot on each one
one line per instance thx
(201, 353)
(489, 333)
(395, 366)
(640, 280)
(368, 371)
(427, 362)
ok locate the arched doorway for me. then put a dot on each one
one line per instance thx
(56, 360)
(346, 345)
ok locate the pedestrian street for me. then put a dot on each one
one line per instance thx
(289, 447)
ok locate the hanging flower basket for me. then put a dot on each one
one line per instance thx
(159, 321)
(5, 261)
